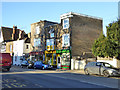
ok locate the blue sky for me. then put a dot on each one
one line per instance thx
(23, 14)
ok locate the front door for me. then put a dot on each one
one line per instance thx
(58, 62)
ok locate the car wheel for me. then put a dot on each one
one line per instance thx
(86, 71)
(8, 69)
(106, 73)
(43, 68)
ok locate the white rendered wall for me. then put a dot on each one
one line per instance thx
(18, 51)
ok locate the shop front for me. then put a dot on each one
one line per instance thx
(63, 58)
(36, 56)
(50, 57)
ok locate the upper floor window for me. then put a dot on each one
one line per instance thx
(65, 40)
(51, 35)
(37, 30)
(10, 47)
(66, 23)
(37, 42)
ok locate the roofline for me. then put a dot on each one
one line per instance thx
(79, 14)
(12, 28)
(44, 21)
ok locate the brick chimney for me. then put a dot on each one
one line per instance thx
(29, 35)
(21, 34)
(14, 36)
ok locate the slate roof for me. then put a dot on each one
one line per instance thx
(7, 33)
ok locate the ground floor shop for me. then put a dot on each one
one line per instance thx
(58, 58)
(36, 56)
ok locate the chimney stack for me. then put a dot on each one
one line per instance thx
(14, 37)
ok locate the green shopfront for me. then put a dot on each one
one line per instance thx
(64, 58)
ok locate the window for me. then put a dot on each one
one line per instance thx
(10, 47)
(37, 30)
(66, 23)
(51, 35)
(27, 46)
(37, 42)
(65, 40)
(50, 44)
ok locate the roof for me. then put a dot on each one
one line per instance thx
(45, 21)
(7, 33)
(70, 14)
(27, 40)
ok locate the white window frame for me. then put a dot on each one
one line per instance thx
(37, 29)
(51, 35)
(67, 40)
(66, 24)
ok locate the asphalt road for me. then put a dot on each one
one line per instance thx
(30, 78)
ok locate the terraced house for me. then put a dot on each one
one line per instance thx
(69, 39)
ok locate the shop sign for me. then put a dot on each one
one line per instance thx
(50, 51)
(62, 51)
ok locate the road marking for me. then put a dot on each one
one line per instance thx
(7, 85)
(14, 80)
(20, 85)
(6, 80)
(13, 85)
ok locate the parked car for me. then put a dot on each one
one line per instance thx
(30, 65)
(40, 65)
(101, 68)
(5, 61)
(24, 63)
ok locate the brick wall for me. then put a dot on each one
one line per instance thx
(84, 31)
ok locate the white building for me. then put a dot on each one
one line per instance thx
(21, 50)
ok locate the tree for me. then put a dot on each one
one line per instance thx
(98, 46)
(108, 46)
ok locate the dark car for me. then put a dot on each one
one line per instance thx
(101, 68)
(24, 63)
(40, 65)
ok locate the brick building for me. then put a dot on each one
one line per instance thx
(69, 39)
(38, 39)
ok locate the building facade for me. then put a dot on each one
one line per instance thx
(38, 39)
(21, 50)
(69, 39)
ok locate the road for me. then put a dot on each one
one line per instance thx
(29, 78)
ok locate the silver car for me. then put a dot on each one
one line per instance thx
(101, 68)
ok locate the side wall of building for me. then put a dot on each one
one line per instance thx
(84, 31)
